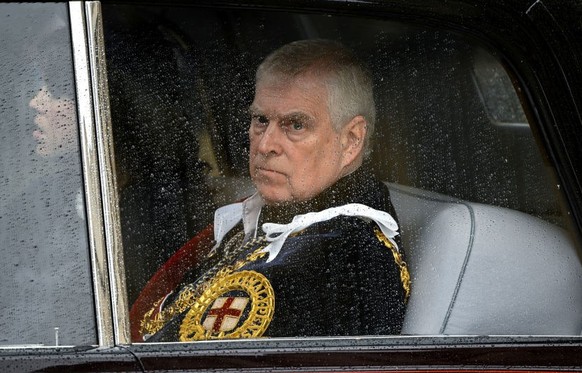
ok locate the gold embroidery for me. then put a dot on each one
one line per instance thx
(153, 320)
(208, 315)
(404, 274)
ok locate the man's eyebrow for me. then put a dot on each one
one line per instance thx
(253, 110)
(298, 116)
(291, 116)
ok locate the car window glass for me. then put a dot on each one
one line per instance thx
(452, 141)
(46, 293)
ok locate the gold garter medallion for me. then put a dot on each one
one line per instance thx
(235, 305)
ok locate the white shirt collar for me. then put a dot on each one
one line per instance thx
(227, 217)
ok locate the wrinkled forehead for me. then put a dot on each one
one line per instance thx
(281, 84)
(308, 77)
(279, 94)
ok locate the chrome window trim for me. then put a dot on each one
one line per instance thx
(91, 179)
(105, 152)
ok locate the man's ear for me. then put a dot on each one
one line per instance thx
(352, 138)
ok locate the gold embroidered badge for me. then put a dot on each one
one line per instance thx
(160, 314)
(235, 305)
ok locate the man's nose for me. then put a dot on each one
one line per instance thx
(271, 139)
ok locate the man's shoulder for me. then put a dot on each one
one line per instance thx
(346, 232)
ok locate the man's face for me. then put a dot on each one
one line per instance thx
(295, 153)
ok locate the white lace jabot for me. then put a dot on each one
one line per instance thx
(227, 217)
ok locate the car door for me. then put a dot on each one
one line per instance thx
(124, 126)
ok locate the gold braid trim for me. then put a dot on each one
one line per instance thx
(153, 321)
(404, 274)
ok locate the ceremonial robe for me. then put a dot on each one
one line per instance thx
(336, 277)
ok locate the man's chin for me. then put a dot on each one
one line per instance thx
(272, 198)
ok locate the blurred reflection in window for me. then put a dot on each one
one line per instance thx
(46, 295)
(156, 120)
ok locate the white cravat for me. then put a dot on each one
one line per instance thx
(278, 233)
(227, 217)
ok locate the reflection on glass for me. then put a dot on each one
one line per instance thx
(46, 295)
(55, 118)
(474, 199)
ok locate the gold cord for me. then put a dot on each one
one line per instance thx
(404, 274)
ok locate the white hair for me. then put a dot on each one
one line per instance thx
(348, 82)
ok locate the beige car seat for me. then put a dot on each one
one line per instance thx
(485, 270)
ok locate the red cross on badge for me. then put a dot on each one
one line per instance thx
(225, 314)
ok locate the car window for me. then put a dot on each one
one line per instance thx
(46, 294)
(471, 183)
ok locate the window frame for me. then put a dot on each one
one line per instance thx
(99, 173)
(487, 36)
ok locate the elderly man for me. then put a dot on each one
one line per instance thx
(314, 251)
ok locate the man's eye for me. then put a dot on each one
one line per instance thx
(261, 119)
(297, 126)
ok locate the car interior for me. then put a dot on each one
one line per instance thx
(483, 222)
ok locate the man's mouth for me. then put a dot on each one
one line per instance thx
(267, 171)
